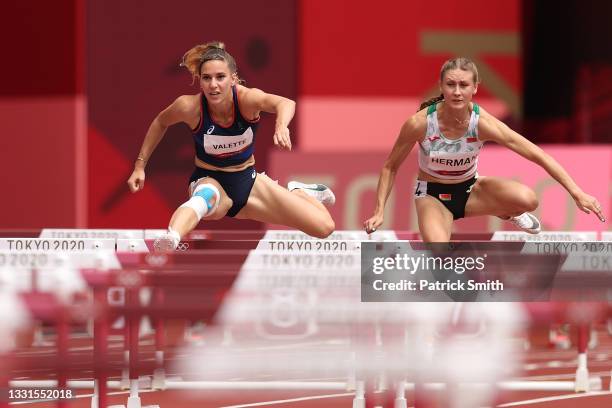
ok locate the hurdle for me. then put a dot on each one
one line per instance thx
(186, 264)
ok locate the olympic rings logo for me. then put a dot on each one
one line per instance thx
(129, 279)
(182, 246)
(156, 259)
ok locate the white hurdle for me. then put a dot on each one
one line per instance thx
(134, 242)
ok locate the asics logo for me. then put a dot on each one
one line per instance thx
(210, 129)
(253, 175)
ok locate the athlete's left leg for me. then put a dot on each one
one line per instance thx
(271, 203)
(500, 197)
(208, 200)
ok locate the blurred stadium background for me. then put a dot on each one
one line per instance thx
(82, 79)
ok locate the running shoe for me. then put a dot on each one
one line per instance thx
(321, 192)
(527, 222)
(167, 242)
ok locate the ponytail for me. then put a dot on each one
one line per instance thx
(201, 53)
(431, 101)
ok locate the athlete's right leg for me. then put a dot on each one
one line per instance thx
(435, 220)
(507, 199)
(271, 203)
(208, 200)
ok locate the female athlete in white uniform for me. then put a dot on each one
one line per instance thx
(450, 130)
(223, 119)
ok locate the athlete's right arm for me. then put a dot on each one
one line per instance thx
(411, 132)
(179, 111)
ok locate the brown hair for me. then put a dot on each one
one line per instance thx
(201, 53)
(462, 63)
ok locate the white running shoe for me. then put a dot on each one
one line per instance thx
(527, 222)
(319, 191)
(167, 242)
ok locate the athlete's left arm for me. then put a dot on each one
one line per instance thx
(492, 129)
(284, 108)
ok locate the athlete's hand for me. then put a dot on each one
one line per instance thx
(136, 180)
(589, 203)
(372, 223)
(282, 138)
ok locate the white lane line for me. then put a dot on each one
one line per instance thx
(52, 350)
(555, 398)
(314, 344)
(569, 376)
(563, 364)
(277, 402)
(321, 379)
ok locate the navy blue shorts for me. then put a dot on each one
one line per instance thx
(236, 184)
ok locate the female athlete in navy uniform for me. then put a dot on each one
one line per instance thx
(224, 119)
(450, 131)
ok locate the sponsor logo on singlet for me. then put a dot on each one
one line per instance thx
(210, 129)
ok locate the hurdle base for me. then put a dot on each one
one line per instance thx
(159, 379)
(359, 402)
(139, 406)
(582, 383)
(133, 402)
(400, 395)
(124, 383)
(400, 403)
(359, 399)
(351, 383)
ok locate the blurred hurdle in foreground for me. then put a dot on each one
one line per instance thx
(263, 296)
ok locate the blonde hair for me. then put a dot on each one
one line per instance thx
(201, 53)
(462, 63)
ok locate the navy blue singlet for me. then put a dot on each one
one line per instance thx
(224, 146)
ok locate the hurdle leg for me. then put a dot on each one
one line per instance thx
(359, 400)
(133, 323)
(125, 372)
(132, 327)
(95, 395)
(159, 375)
(400, 395)
(38, 339)
(351, 381)
(582, 373)
(593, 338)
(134, 399)
(62, 352)
(100, 330)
